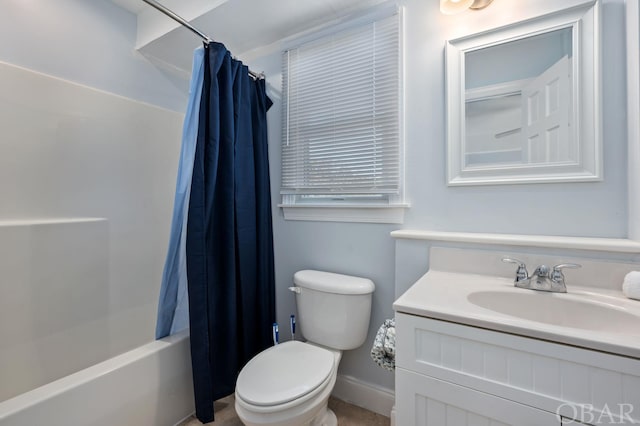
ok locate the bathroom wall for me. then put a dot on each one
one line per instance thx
(87, 177)
(90, 42)
(582, 209)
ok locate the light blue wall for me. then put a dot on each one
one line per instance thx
(89, 42)
(582, 209)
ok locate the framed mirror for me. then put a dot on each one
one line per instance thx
(523, 101)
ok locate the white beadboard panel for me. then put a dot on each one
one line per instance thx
(495, 363)
(427, 347)
(607, 388)
(573, 422)
(533, 372)
(426, 401)
(631, 390)
(474, 419)
(456, 416)
(472, 357)
(451, 350)
(435, 412)
(575, 382)
(419, 415)
(546, 376)
(520, 369)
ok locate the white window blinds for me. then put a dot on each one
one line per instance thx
(341, 112)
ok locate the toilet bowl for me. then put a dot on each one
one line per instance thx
(289, 384)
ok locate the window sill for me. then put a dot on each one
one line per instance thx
(375, 213)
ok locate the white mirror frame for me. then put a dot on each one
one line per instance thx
(584, 22)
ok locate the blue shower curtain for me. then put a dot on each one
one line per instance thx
(173, 308)
(229, 242)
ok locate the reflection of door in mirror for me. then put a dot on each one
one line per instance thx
(545, 116)
(518, 102)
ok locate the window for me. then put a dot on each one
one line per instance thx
(342, 133)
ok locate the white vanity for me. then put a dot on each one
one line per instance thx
(472, 349)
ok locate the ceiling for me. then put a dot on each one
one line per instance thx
(242, 25)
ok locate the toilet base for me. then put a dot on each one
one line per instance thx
(309, 416)
(311, 410)
(328, 419)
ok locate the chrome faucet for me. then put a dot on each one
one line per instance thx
(542, 278)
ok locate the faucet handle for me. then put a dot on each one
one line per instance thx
(521, 273)
(557, 270)
(561, 266)
(556, 274)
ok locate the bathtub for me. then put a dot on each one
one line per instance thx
(87, 199)
(150, 385)
(77, 314)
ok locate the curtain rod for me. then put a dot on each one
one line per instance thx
(179, 19)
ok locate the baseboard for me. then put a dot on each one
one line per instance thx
(373, 398)
(185, 419)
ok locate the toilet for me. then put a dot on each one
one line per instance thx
(289, 384)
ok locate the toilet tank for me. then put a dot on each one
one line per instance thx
(333, 309)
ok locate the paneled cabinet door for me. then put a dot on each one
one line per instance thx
(425, 401)
(566, 421)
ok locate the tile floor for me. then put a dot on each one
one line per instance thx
(348, 415)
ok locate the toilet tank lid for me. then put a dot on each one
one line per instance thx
(333, 283)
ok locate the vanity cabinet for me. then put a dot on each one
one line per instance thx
(449, 374)
(425, 400)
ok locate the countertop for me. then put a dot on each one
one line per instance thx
(445, 296)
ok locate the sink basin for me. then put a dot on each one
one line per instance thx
(594, 314)
(565, 310)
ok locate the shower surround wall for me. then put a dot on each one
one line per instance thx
(87, 177)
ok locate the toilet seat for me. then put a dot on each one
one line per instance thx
(284, 373)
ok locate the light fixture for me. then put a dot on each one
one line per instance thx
(451, 7)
